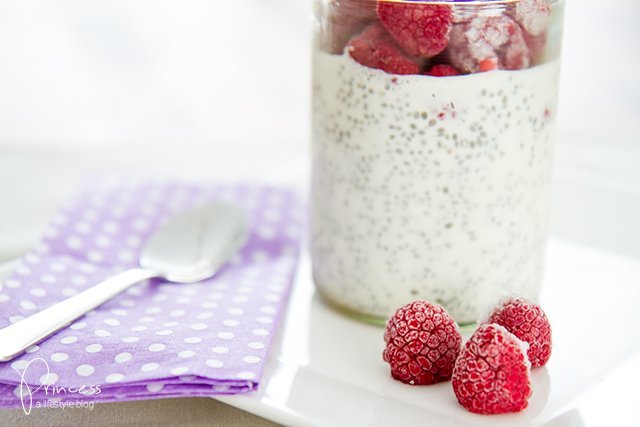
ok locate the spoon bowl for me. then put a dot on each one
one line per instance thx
(194, 245)
(189, 247)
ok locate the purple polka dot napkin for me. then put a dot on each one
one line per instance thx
(156, 339)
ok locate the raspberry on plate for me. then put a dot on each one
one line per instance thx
(443, 70)
(491, 376)
(423, 342)
(527, 321)
(420, 29)
(375, 48)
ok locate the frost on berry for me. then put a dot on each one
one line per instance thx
(422, 343)
(483, 40)
(515, 54)
(491, 375)
(527, 321)
(533, 15)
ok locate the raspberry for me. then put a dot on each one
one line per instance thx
(516, 54)
(537, 46)
(533, 15)
(375, 48)
(420, 29)
(443, 70)
(423, 342)
(529, 323)
(491, 376)
(487, 65)
(496, 40)
(345, 18)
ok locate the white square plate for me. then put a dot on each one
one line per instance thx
(326, 369)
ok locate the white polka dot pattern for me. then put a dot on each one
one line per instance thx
(155, 338)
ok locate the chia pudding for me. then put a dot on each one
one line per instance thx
(431, 161)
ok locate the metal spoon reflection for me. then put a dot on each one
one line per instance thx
(190, 247)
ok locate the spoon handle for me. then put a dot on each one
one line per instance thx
(16, 338)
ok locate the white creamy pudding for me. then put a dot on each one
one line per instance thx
(427, 187)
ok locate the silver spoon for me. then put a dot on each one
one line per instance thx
(190, 247)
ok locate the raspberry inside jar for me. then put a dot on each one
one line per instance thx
(433, 127)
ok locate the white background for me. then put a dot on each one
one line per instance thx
(103, 73)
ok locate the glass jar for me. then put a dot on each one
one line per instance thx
(433, 126)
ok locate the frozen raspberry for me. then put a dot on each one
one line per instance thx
(420, 29)
(491, 376)
(376, 49)
(533, 15)
(496, 40)
(537, 45)
(516, 54)
(345, 19)
(443, 70)
(464, 58)
(423, 342)
(528, 322)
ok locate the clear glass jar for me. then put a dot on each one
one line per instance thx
(433, 127)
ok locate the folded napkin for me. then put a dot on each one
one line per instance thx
(157, 339)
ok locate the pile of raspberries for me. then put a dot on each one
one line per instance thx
(439, 39)
(490, 373)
